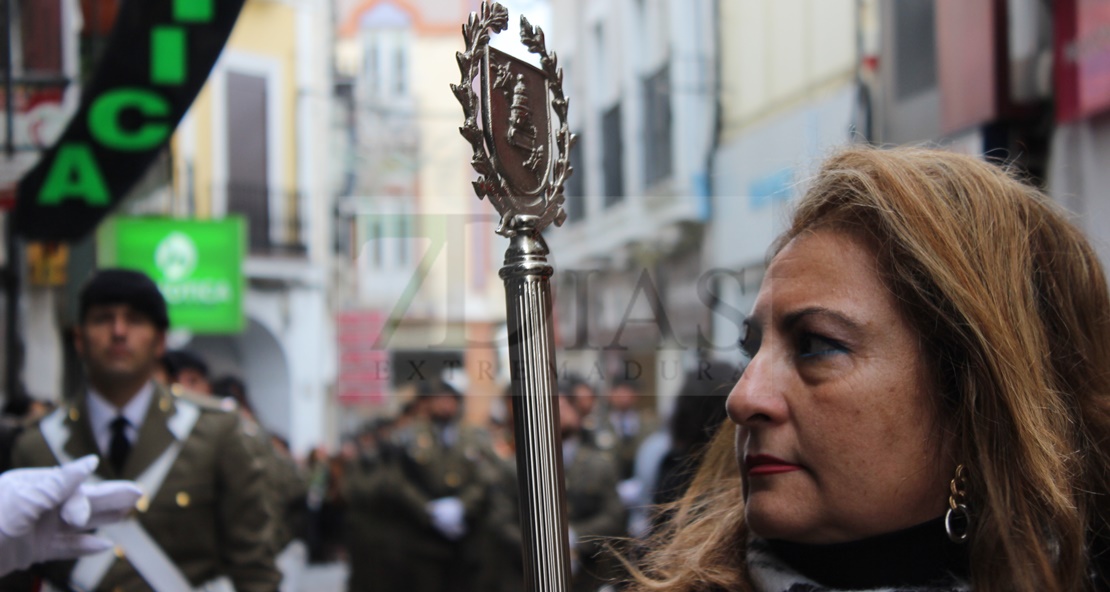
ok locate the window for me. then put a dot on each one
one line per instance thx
(386, 229)
(575, 188)
(372, 76)
(915, 47)
(400, 72)
(403, 256)
(386, 38)
(374, 241)
(657, 126)
(600, 62)
(247, 167)
(612, 155)
(40, 29)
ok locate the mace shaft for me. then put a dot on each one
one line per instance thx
(539, 458)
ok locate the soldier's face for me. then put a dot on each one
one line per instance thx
(569, 421)
(194, 381)
(584, 399)
(622, 398)
(119, 343)
(442, 407)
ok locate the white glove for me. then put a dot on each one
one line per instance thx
(448, 516)
(43, 511)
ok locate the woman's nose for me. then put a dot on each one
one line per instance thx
(758, 397)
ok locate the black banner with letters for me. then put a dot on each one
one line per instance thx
(159, 56)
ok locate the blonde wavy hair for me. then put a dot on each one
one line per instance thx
(1011, 304)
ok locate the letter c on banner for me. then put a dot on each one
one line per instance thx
(104, 119)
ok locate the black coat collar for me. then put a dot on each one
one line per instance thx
(919, 557)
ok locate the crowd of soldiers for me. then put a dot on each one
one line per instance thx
(432, 504)
(419, 501)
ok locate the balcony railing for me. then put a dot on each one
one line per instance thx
(275, 226)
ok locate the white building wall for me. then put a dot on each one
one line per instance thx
(42, 366)
(287, 358)
(791, 144)
(311, 370)
(313, 74)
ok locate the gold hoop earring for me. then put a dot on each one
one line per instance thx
(957, 521)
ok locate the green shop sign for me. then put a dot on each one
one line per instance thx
(158, 58)
(198, 265)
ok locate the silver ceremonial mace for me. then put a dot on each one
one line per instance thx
(510, 131)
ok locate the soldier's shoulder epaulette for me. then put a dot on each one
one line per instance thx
(205, 402)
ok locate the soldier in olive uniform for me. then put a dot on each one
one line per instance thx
(201, 523)
(367, 522)
(625, 425)
(502, 567)
(188, 370)
(595, 512)
(436, 495)
(585, 401)
(286, 486)
(595, 508)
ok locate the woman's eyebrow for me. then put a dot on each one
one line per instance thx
(790, 319)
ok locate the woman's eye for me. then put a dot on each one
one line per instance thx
(812, 346)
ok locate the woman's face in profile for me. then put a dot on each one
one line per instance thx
(837, 438)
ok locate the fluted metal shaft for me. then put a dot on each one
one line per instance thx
(539, 456)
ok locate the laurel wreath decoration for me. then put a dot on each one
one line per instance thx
(476, 33)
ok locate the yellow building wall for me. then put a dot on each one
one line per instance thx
(265, 29)
(202, 164)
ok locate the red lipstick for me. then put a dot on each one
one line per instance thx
(765, 464)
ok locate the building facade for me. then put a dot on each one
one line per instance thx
(642, 83)
(49, 41)
(423, 252)
(255, 144)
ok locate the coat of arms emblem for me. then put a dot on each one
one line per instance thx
(521, 156)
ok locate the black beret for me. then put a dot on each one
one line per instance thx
(125, 286)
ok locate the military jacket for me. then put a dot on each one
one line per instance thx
(432, 468)
(595, 514)
(592, 499)
(623, 446)
(208, 516)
